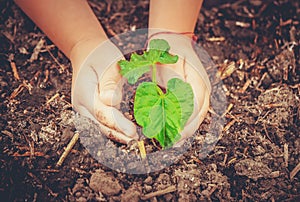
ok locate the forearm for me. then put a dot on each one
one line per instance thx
(174, 15)
(66, 22)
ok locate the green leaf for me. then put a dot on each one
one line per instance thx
(140, 64)
(185, 96)
(134, 68)
(163, 116)
(159, 44)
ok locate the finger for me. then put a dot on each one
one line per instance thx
(199, 90)
(115, 135)
(114, 119)
(108, 132)
(110, 86)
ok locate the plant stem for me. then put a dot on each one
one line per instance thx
(154, 73)
(142, 149)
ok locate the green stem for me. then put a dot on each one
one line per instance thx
(154, 80)
(154, 73)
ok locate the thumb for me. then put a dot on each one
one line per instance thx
(110, 86)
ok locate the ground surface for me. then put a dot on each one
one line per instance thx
(255, 45)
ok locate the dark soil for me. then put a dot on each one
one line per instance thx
(255, 45)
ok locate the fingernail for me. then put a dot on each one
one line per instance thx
(130, 131)
(125, 126)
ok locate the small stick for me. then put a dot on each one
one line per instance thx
(216, 39)
(228, 70)
(226, 128)
(246, 85)
(55, 60)
(227, 110)
(15, 71)
(9, 134)
(231, 161)
(142, 149)
(37, 50)
(48, 170)
(52, 98)
(225, 159)
(19, 89)
(212, 190)
(261, 80)
(159, 193)
(286, 154)
(68, 149)
(294, 171)
(28, 154)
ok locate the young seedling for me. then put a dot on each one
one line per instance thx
(161, 115)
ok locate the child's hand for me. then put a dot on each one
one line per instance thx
(95, 92)
(189, 69)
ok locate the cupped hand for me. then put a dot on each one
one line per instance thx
(96, 91)
(190, 69)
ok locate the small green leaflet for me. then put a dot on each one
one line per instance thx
(140, 64)
(163, 116)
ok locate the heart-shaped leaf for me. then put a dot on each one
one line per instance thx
(163, 116)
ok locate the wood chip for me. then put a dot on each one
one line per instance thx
(226, 128)
(52, 98)
(9, 134)
(37, 50)
(28, 154)
(19, 89)
(242, 24)
(159, 193)
(226, 70)
(15, 71)
(10, 37)
(216, 39)
(295, 171)
(246, 85)
(228, 109)
(62, 67)
(286, 154)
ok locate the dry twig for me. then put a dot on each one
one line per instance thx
(28, 154)
(246, 85)
(52, 98)
(226, 70)
(62, 67)
(20, 88)
(227, 110)
(216, 39)
(68, 149)
(15, 71)
(295, 171)
(226, 128)
(159, 192)
(37, 50)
